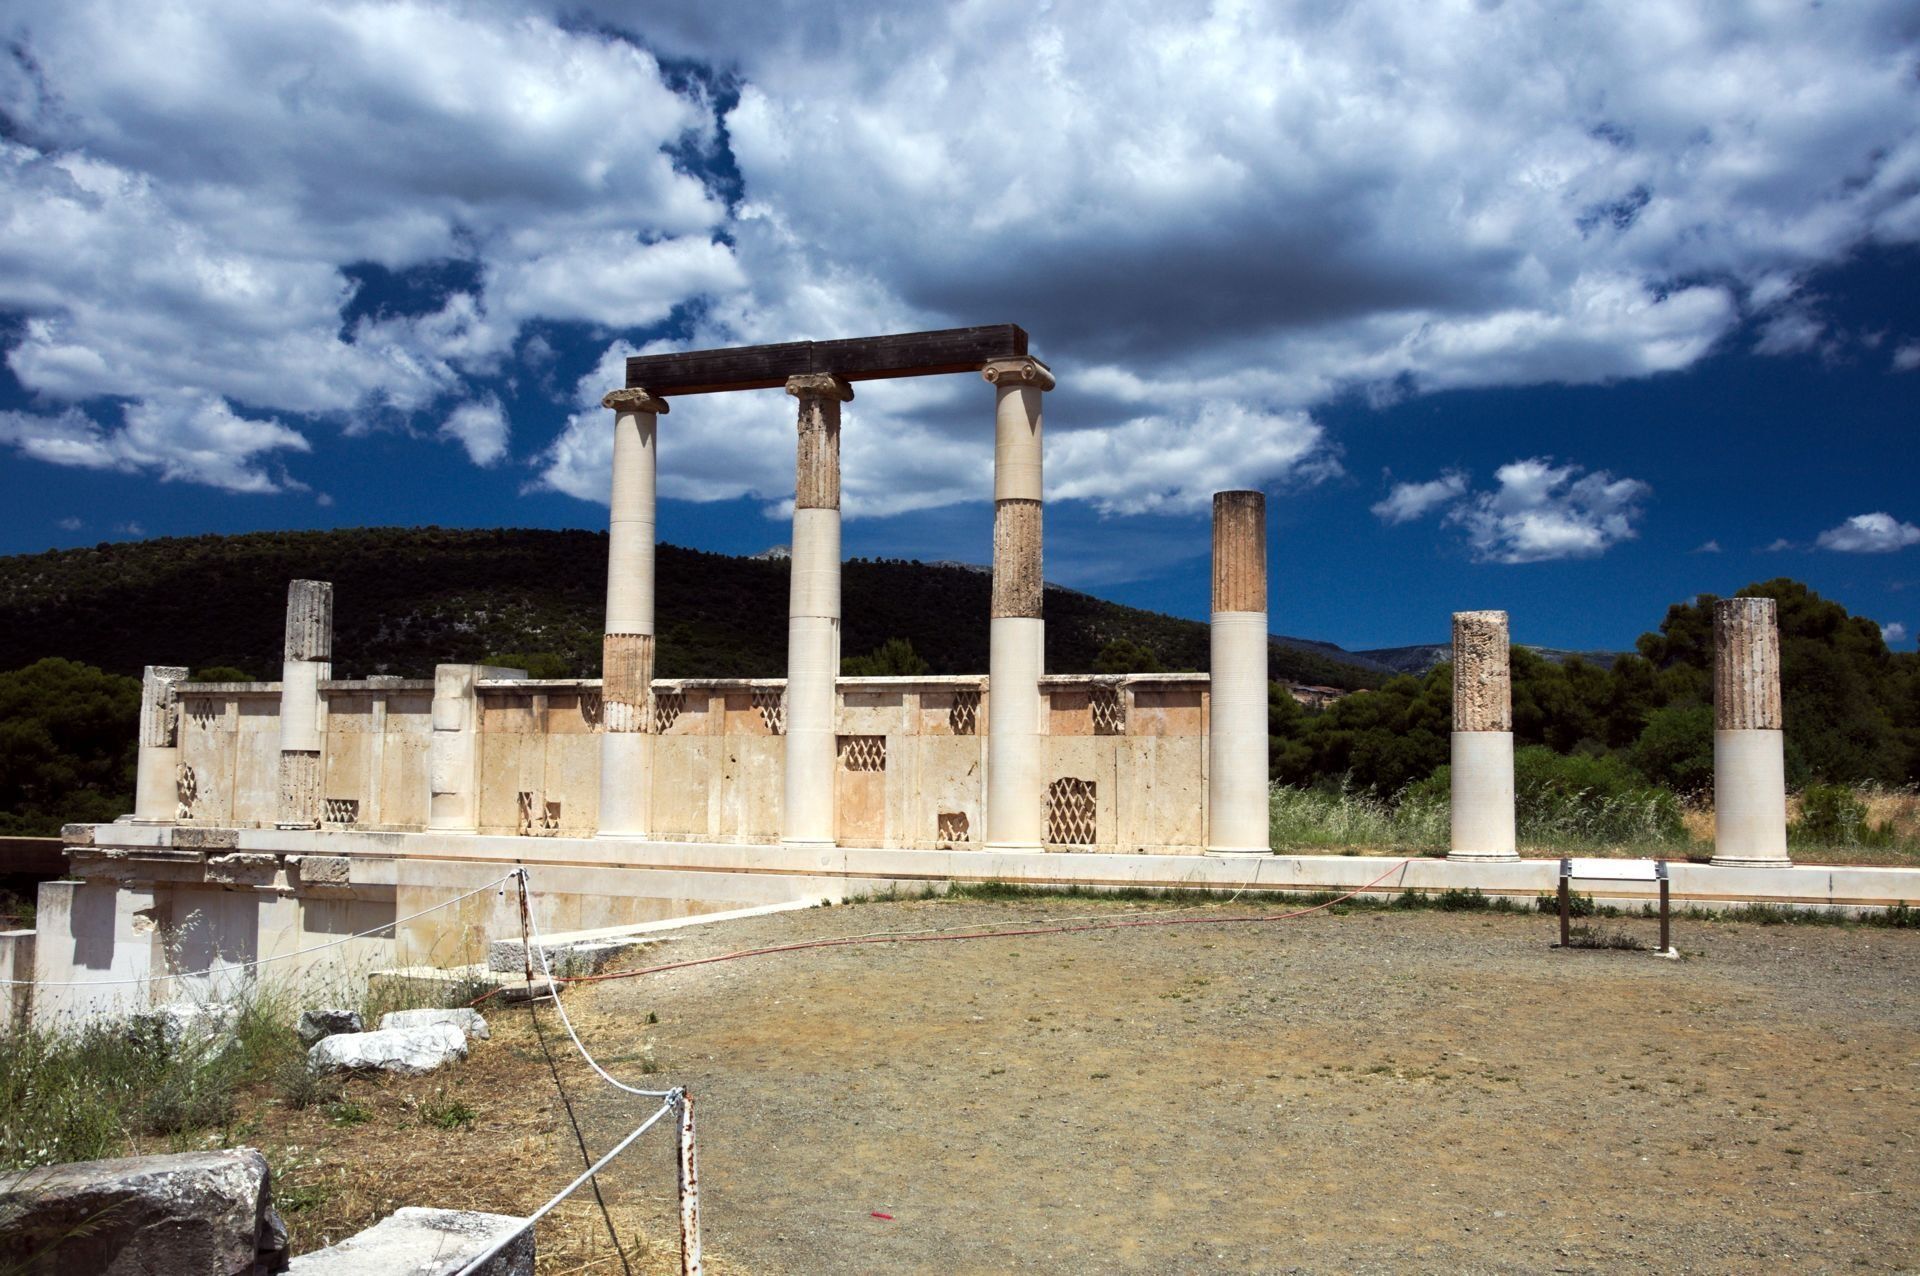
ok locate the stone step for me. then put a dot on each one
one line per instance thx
(424, 1242)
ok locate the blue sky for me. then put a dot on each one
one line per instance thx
(1504, 305)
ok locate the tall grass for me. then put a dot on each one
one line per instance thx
(1342, 817)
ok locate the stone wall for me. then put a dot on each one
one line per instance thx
(1124, 758)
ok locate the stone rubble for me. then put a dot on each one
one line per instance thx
(194, 1212)
(468, 1020)
(316, 1025)
(425, 1242)
(406, 1052)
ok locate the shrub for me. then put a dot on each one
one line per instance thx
(1834, 815)
(1676, 748)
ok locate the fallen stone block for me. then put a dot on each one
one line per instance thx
(193, 1212)
(424, 1242)
(465, 1018)
(187, 1023)
(566, 957)
(406, 1052)
(317, 1025)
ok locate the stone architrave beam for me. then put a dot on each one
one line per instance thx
(1749, 749)
(627, 650)
(1483, 820)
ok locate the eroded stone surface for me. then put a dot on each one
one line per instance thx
(817, 464)
(426, 1242)
(627, 682)
(406, 1052)
(1482, 680)
(206, 839)
(198, 1212)
(1239, 551)
(465, 1018)
(160, 706)
(318, 1025)
(634, 399)
(323, 870)
(299, 788)
(187, 1023)
(1018, 585)
(310, 620)
(1746, 664)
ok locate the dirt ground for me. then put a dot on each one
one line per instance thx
(1379, 1091)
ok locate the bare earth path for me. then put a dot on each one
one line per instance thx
(1370, 1092)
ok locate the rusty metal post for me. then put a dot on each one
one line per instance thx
(689, 1191)
(1666, 929)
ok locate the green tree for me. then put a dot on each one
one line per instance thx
(538, 664)
(1123, 655)
(69, 739)
(894, 658)
(1676, 748)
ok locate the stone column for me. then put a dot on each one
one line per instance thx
(813, 614)
(1238, 822)
(1749, 756)
(1482, 738)
(308, 663)
(627, 650)
(1017, 643)
(156, 793)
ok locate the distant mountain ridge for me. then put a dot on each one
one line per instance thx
(409, 598)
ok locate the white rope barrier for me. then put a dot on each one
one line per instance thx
(672, 1101)
(258, 961)
(536, 945)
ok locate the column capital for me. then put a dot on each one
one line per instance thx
(634, 399)
(819, 385)
(1020, 370)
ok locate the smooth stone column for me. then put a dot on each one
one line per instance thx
(1238, 821)
(813, 614)
(627, 649)
(308, 663)
(1482, 738)
(1749, 751)
(1016, 788)
(156, 792)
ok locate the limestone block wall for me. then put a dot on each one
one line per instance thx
(1123, 759)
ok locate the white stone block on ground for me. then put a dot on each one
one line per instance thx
(465, 1018)
(406, 1052)
(179, 1023)
(424, 1242)
(133, 1216)
(317, 1024)
(565, 957)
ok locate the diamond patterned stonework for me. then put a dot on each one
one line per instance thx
(863, 752)
(1070, 811)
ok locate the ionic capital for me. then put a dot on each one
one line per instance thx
(819, 385)
(634, 399)
(1021, 370)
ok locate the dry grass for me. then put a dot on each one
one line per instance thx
(342, 1167)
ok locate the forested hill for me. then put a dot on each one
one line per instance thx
(409, 598)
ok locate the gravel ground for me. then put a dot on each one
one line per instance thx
(1367, 1092)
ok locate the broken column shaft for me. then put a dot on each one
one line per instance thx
(813, 613)
(627, 647)
(1017, 638)
(1482, 738)
(1237, 816)
(1749, 754)
(308, 663)
(156, 794)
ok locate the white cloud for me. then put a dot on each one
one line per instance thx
(1906, 357)
(1408, 501)
(481, 428)
(190, 438)
(1541, 512)
(1870, 534)
(1212, 218)
(1778, 545)
(1707, 547)
(71, 524)
(1892, 632)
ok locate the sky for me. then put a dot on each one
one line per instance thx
(1516, 305)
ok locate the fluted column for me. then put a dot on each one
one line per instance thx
(308, 662)
(1017, 639)
(1482, 738)
(1749, 752)
(156, 793)
(813, 613)
(1238, 822)
(627, 647)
